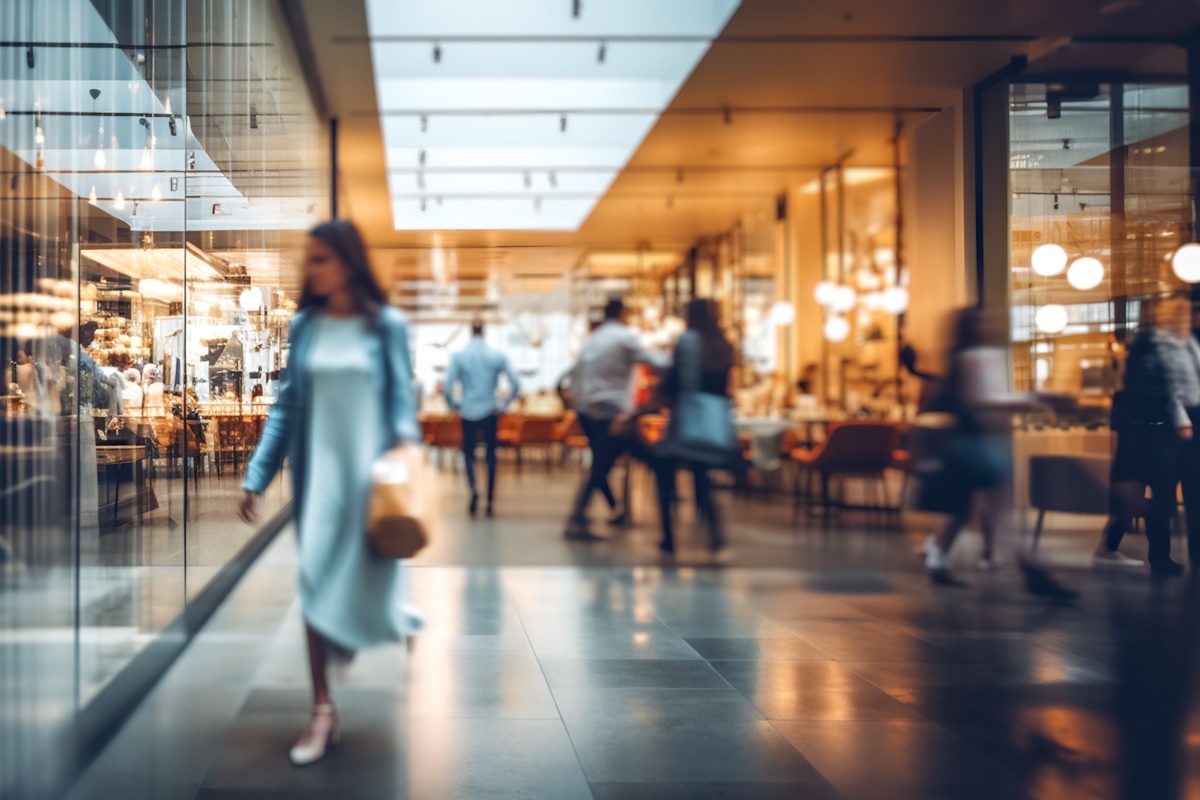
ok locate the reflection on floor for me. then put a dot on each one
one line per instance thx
(849, 678)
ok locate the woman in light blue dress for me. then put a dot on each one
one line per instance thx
(345, 398)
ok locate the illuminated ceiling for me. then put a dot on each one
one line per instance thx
(519, 117)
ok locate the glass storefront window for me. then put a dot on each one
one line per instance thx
(162, 161)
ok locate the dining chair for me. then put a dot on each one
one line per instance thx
(853, 450)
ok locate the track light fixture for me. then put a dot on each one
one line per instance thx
(553, 180)
(424, 124)
(424, 204)
(421, 180)
(421, 156)
(172, 126)
(29, 57)
(576, 8)
(601, 53)
(562, 123)
(437, 53)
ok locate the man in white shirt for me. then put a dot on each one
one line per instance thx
(601, 389)
(477, 368)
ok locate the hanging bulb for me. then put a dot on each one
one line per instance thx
(156, 193)
(39, 138)
(92, 195)
(119, 203)
(147, 159)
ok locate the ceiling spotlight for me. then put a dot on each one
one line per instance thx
(1185, 263)
(576, 7)
(420, 180)
(562, 124)
(528, 181)
(1066, 144)
(421, 156)
(39, 136)
(424, 124)
(437, 53)
(1049, 259)
(1051, 318)
(29, 57)
(119, 202)
(171, 125)
(601, 53)
(553, 180)
(727, 112)
(156, 193)
(424, 204)
(1086, 273)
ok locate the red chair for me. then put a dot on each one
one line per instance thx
(853, 450)
(534, 432)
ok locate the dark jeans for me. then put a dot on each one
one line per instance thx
(606, 449)
(1155, 456)
(664, 472)
(473, 430)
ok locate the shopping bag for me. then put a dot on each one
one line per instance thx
(400, 512)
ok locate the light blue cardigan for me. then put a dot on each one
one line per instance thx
(287, 423)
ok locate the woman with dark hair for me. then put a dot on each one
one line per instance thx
(345, 398)
(702, 361)
(977, 459)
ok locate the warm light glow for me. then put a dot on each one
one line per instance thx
(92, 196)
(824, 293)
(251, 299)
(39, 138)
(160, 290)
(844, 299)
(1185, 263)
(119, 203)
(782, 313)
(895, 300)
(147, 163)
(1085, 273)
(1049, 259)
(836, 329)
(100, 161)
(873, 301)
(156, 193)
(1051, 319)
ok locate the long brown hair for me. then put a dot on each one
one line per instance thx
(716, 352)
(342, 237)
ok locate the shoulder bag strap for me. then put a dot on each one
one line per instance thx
(389, 388)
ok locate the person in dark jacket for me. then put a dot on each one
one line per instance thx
(1153, 418)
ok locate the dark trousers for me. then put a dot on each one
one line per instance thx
(1189, 471)
(473, 431)
(665, 470)
(606, 449)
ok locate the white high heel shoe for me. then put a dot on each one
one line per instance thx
(308, 753)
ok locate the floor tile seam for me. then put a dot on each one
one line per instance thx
(561, 720)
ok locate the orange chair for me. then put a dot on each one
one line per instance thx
(447, 435)
(862, 450)
(570, 435)
(534, 432)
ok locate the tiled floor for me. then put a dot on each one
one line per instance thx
(560, 680)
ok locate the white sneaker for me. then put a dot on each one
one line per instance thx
(1115, 559)
(935, 558)
(988, 564)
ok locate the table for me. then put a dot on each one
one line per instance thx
(766, 439)
(117, 455)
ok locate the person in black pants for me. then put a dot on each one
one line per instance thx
(477, 368)
(1161, 397)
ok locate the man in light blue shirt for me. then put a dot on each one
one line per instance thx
(477, 368)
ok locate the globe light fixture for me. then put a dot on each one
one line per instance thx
(844, 299)
(824, 293)
(1049, 259)
(1185, 263)
(251, 299)
(1085, 273)
(1051, 319)
(836, 329)
(782, 314)
(895, 300)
